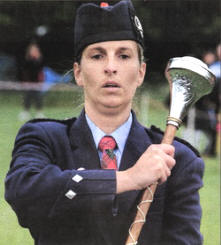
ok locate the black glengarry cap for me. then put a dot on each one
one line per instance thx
(94, 23)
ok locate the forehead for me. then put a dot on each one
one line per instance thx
(113, 45)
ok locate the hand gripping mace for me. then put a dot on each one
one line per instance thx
(189, 79)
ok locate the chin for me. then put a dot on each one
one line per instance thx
(116, 107)
(112, 104)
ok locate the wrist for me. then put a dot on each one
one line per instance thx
(125, 182)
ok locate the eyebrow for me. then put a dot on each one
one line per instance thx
(102, 50)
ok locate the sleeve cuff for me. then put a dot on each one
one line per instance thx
(87, 191)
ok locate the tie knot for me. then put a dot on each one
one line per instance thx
(107, 143)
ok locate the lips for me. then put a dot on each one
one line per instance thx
(111, 84)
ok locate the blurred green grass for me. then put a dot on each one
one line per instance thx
(67, 104)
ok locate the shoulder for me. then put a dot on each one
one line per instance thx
(52, 122)
(47, 126)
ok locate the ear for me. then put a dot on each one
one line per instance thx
(142, 72)
(77, 74)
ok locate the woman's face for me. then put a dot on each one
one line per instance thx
(110, 73)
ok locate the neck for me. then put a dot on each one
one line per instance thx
(108, 120)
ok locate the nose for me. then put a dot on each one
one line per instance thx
(110, 67)
(110, 71)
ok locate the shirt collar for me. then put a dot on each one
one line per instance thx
(120, 134)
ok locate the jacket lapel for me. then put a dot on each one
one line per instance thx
(85, 154)
(138, 141)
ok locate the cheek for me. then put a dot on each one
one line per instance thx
(85, 77)
(89, 81)
(132, 81)
(132, 76)
(89, 75)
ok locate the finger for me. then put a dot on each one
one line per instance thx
(162, 179)
(169, 161)
(168, 149)
(166, 173)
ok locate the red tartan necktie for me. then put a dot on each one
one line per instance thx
(107, 146)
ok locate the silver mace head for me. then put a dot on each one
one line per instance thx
(189, 80)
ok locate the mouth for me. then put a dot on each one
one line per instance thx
(111, 85)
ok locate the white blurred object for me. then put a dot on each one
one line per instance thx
(195, 137)
(41, 30)
(24, 116)
(39, 115)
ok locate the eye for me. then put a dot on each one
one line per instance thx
(124, 56)
(96, 57)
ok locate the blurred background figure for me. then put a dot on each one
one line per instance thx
(33, 73)
(216, 69)
(8, 68)
(209, 57)
(207, 108)
(202, 123)
(216, 66)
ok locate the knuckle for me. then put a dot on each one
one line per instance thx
(158, 161)
(172, 150)
(174, 162)
(154, 147)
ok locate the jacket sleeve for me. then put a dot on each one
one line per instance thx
(182, 208)
(38, 190)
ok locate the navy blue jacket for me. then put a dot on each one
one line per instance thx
(49, 153)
